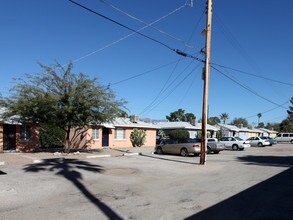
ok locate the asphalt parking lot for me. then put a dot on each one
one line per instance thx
(253, 184)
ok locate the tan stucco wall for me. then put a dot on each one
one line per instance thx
(96, 144)
(30, 145)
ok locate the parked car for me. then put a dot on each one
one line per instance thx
(258, 141)
(182, 147)
(285, 137)
(272, 140)
(214, 146)
(234, 143)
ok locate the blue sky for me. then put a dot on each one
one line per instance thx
(252, 36)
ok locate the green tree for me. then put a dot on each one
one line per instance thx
(180, 115)
(213, 120)
(51, 136)
(287, 124)
(137, 137)
(240, 121)
(178, 134)
(224, 117)
(66, 100)
(290, 111)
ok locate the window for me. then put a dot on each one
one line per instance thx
(120, 134)
(95, 134)
(285, 135)
(291, 135)
(25, 132)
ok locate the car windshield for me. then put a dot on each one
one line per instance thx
(238, 139)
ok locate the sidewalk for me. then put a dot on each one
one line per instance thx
(37, 157)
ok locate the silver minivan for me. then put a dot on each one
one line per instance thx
(284, 137)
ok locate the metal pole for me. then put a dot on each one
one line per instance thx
(206, 78)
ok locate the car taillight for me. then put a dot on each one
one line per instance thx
(196, 145)
(267, 141)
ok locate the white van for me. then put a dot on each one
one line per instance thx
(285, 137)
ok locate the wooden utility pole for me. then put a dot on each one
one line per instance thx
(206, 79)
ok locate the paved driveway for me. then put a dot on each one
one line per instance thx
(252, 184)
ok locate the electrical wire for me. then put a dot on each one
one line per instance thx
(261, 77)
(175, 67)
(144, 73)
(123, 38)
(149, 25)
(268, 110)
(234, 42)
(164, 89)
(171, 91)
(246, 87)
(124, 26)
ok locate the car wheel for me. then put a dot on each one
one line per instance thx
(209, 150)
(184, 152)
(260, 144)
(216, 152)
(291, 141)
(235, 147)
(159, 150)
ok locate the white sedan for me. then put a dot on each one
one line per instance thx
(258, 141)
(234, 143)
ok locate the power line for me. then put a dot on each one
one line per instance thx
(171, 91)
(268, 110)
(141, 74)
(125, 37)
(261, 77)
(247, 88)
(122, 25)
(165, 89)
(149, 25)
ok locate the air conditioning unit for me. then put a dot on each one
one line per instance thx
(134, 118)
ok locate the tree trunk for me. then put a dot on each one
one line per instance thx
(67, 144)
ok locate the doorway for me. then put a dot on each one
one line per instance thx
(105, 137)
(9, 137)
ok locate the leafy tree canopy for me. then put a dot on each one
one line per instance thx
(240, 121)
(67, 100)
(213, 120)
(180, 115)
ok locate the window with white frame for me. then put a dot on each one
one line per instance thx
(25, 132)
(95, 134)
(120, 134)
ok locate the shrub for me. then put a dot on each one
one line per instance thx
(178, 134)
(137, 137)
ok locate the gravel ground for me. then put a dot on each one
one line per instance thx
(252, 184)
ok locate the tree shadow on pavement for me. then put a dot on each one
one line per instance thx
(68, 168)
(167, 159)
(270, 199)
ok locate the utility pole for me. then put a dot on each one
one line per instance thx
(206, 79)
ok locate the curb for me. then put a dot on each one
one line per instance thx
(98, 156)
(131, 154)
(38, 161)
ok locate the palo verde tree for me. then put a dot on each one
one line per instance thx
(66, 100)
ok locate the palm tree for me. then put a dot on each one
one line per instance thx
(259, 116)
(224, 117)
